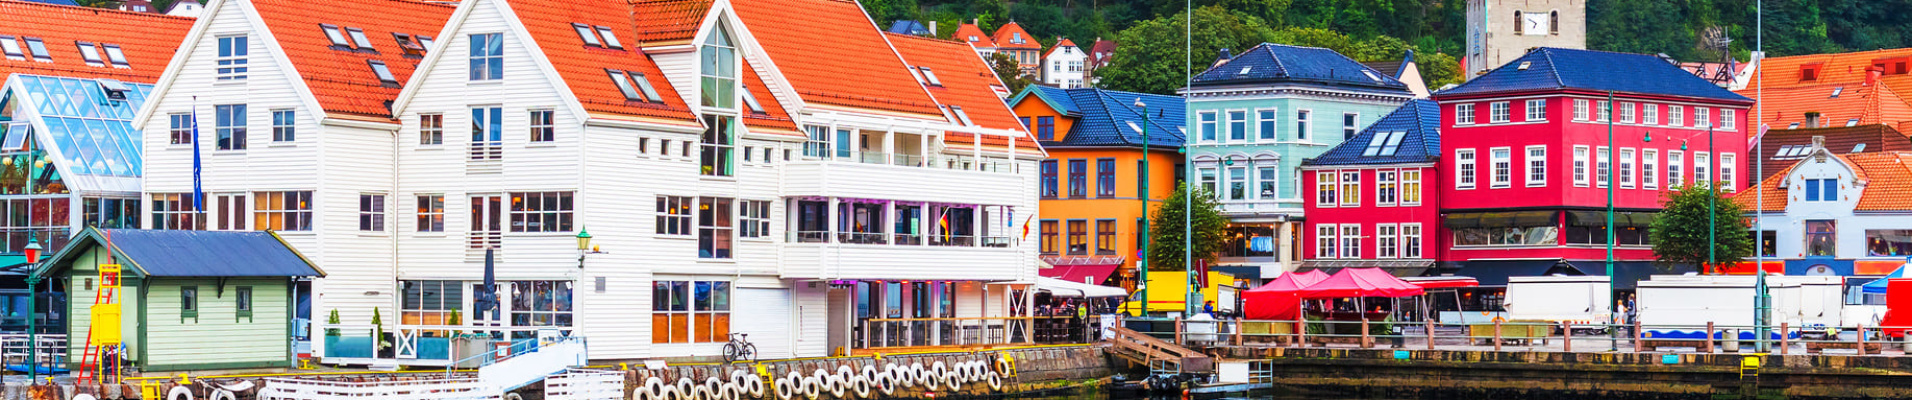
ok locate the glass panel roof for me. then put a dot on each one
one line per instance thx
(88, 133)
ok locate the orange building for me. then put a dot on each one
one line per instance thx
(1091, 183)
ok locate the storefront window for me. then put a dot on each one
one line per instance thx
(1889, 242)
(1506, 236)
(1249, 241)
(541, 303)
(431, 302)
(1769, 243)
(1819, 238)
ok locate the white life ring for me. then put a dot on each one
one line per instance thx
(514, 396)
(939, 371)
(754, 384)
(179, 393)
(84, 396)
(669, 393)
(995, 381)
(916, 373)
(835, 384)
(812, 387)
(714, 388)
(952, 380)
(653, 389)
(930, 380)
(900, 376)
(270, 393)
(869, 373)
(861, 387)
(845, 375)
(787, 388)
(686, 389)
(886, 384)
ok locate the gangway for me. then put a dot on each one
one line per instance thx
(500, 371)
(1158, 354)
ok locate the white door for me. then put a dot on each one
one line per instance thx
(768, 314)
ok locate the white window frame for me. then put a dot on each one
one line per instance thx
(1267, 129)
(1536, 166)
(1303, 118)
(1464, 172)
(1626, 167)
(1675, 115)
(1327, 241)
(1602, 166)
(1702, 169)
(1675, 165)
(1728, 119)
(1580, 112)
(1350, 125)
(1229, 122)
(1387, 241)
(1500, 161)
(1536, 110)
(1327, 184)
(1351, 241)
(1500, 112)
(1603, 111)
(1582, 166)
(1387, 189)
(1627, 113)
(1650, 169)
(1351, 188)
(1650, 114)
(1411, 243)
(1702, 117)
(1410, 191)
(1464, 114)
(1728, 175)
(232, 64)
(1208, 121)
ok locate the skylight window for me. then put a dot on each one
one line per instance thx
(1794, 125)
(424, 40)
(337, 36)
(91, 54)
(584, 32)
(930, 76)
(1244, 70)
(1371, 75)
(960, 115)
(1394, 143)
(39, 50)
(1524, 65)
(750, 100)
(644, 85)
(1836, 91)
(1374, 145)
(1134, 127)
(384, 73)
(623, 83)
(610, 38)
(409, 45)
(11, 47)
(116, 56)
(916, 73)
(358, 36)
(1852, 122)
(1858, 147)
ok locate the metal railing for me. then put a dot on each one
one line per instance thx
(810, 236)
(426, 344)
(17, 348)
(1533, 336)
(862, 237)
(952, 240)
(918, 332)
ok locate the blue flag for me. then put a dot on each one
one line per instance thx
(199, 196)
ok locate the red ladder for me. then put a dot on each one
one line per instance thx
(90, 360)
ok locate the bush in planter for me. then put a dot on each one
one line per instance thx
(1381, 328)
(332, 320)
(378, 331)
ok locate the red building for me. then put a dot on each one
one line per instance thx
(1526, 165)
(1373, 203)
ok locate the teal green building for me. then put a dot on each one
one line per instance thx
(1254, 117)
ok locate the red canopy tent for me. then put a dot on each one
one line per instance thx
(1277, 300)
(1360, 282)
(1443, 282)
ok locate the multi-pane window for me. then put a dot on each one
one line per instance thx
(1048, 172)
(1105, 177)
(1650, 114)
(1265, 180)
(542, 129)
(754, 218)
(229, 126)
(1702, 117)
(1301, 124)
(1386, 242)
(541, 303)
(181, 128)
(1209, 124)
(430, 302)
(232, 58)
(1502, 161)
(1727, 180)
(1536, 110)
(1105, 236)
(487, 133)
(1325, 184)
(1326, 236)
(1626, 112)
(487, 57)
(1675, 115)
(1820, 237)
(487, 223)
(1580, 109)
(714, 226)
(1822, 190)
(1674, 159)
(1728, 118)
(719, 70)
(690, 312)
(431, 129)
(176, 211)
(1351, 188)
(431, 213)
(719, 143)
(1606, 110)
(1350, 125)
(1045, 128)
(1078, 236)
(1410, 240)
(1580, 164)
(1410, 187)
(1350, 240)
(371, 212)
(1207, 180)
(673, 215)
(1464, 174)
(1078, 178)
(110, 213)
(189, 302)
(1047, 236)
(1500, 111)
(1385, 187)
(541, 211)
(282, 211)
(1626, 168)
(1237, 183)
(232, 212)
(282, 126)
(1536, 166)
(1265, 119)
(1464, 114)
(1650, 168)
(1237, 126)
(1603, 174)
(1702, 169)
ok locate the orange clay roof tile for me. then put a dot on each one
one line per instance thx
(342, 80)
(835, 56)
(585, 69)
(774, 118)
(148, 40)
(1887, 176)
(966, 82)
(668, 20)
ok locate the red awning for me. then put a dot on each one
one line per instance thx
(1278, 300)
(1090, 274)
(1442, 282)
(1361, 282)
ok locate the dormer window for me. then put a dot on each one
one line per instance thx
(384, 73)
(91, 54)
(358, 37)
(719, 70)
(610, 38)
(1809, 73)
(116, 56)
(584, 32)
(1015, 37)
(11, 47)
(334, 33)
(39, 50)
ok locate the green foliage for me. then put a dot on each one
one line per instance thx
(378, 329)
(1438, 69)
(1165, 242)
(334, 321)
(1010, 71)
(1152, 55)
(1680, 235)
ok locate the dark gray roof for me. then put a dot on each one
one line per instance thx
(175, 253)
(1109, 118)
(1418, 125)
(1548, 68)
(1276, 63)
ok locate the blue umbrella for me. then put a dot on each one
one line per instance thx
(487, 297)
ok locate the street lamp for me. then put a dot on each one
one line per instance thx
(1142, 256)
(584, 246)
(33, 329)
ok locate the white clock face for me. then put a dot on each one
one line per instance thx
(1535, 24)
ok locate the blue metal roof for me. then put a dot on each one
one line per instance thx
(1109, 118)
(175, 253)
(1548, 68)
(1410, 134)
(910, 27)
(1278, 63)
(87, 133)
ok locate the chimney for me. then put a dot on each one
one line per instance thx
(1819, 142)
(1872, 74)
(978, 22)
(932, 28)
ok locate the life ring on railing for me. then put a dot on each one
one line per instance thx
(953, 380)
(753, 384)
(886, 384)
(835, 383)
(180, 393)
(812, 387)
(714, 389)
(217, 394)
(995, 381)
(669, 392)
(900, 376)
(787, 388)
(1002, 365)
(918, 374)
(845, 375)
(861, 387)
(653, 389)
(971, 371)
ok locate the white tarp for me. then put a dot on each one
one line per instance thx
(1062, 288)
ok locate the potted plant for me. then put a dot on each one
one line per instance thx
(380, 344)
(332, 332)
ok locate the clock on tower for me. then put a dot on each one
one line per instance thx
(1535, 24)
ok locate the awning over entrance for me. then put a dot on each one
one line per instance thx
(1062, 288)
(1626, 273)
(1089, 274)
(1496, 272)
(1499, 219)
(1393, 267)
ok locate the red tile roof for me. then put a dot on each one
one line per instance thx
(583, 68)
(1841, 140)
(966, 31)
(342, 80)
(1887, 177)
(1005, 37)
(966, 82)
(1830, 70)
(149, 40)
(668, 21)
(834, 55)
(1059, 46)
(774, 119)
(1871, 104)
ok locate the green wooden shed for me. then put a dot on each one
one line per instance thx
(190, 300)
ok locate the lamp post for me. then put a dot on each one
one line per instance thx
(33, 326)
(1142, 256)
(584, 246)
(1613, 313)
(1193, 303)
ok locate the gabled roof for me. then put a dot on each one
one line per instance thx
(773, 119)
(1059, 46)
(1870, 104)
(148, 40)
(966, 82)
(1006, 34)
(1099, 48)
(1109, 118)
(664, 22)
(1549, 68)
(854, 67)
(1831, 68)
(583, 68)
(1392, 68)
(342, 80)
(1417, 125)
(1887, 177)
(966, 31)
(180, 253)
(1783, 147)
(1278, 63)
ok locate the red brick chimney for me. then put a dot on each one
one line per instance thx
(1872, 74)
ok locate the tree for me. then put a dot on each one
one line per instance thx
(1680, 236)
(1437, 69)
(1152, 54)
(1165, 242)
(1010, 71)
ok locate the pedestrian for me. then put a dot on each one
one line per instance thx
(1209, 308)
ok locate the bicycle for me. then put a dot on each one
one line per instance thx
(739, 349)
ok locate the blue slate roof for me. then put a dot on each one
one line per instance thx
(1550, 68)
(1418, 123)
(1109, 118)
(176, 253)
(1278, 63)
(909, 27)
